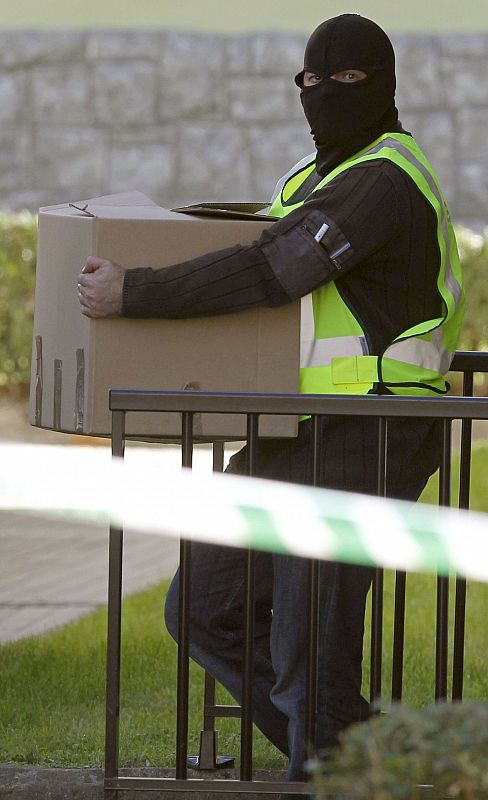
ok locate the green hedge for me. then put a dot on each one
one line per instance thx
(400, 754)
(17, 281)
(473, 249)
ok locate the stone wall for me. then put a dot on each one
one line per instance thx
(187, 117)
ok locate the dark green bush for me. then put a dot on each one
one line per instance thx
(17, 280)
(473, 249)
(396, 756)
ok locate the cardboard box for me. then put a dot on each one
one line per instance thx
(76, 360)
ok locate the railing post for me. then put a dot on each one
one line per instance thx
(398, 636)
(313, 621)
(114, 616)
(377, 596)
(249, 613)
(461, 588)
(442, 621)
(207, 753)
(184, 620)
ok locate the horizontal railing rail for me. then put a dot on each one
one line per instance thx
(469, 361)
(445, 407)
(188, 404)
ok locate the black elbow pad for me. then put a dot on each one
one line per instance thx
(306, 252)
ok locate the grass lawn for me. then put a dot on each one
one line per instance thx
(52, 700)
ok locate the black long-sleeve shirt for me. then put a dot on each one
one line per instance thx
(387, 275)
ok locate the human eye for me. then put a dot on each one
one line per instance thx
(311, 79)
(349, 76)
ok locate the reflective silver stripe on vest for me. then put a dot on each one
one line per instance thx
(320, 352)
(279, 186)
(420, 353)
(450, 279)
(431, 355)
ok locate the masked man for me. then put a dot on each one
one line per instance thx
(364, 238)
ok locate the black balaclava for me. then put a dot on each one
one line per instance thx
(344, 118)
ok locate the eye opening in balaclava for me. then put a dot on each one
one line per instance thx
(345, 117)
(299, 78)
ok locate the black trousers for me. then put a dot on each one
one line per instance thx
(347, 460)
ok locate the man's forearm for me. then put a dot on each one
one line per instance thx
(292, 257)
(284, 264)
(217, 283)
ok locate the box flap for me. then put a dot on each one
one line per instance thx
(136, 205)
(121, 199)
(131, 212)
(227, 210)
(126, 205)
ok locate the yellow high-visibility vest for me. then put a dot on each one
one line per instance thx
(334, 355)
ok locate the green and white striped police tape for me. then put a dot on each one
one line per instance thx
(150, 493)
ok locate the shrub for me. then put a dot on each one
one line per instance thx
(473, 250)
(396, 755)
(17, 282)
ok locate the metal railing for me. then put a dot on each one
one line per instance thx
(466, 408)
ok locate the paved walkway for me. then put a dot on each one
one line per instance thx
(53, 572)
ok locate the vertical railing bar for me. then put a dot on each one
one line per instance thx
(184, 620)
(209, 685)
(459, 639)
(313, 622)
(114, 613)
(442, 620)
(398, 636)
(218, 457)
(461, 587)
(377, 594)
(208, 703)
(445, 467)
(187, 439)
(248, 651)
